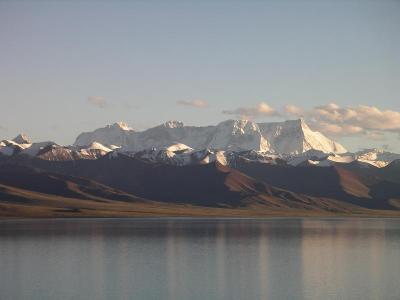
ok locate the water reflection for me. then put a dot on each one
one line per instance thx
(200, 259)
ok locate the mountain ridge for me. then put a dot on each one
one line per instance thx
(287, 137)
(223, 144)
(99, 187)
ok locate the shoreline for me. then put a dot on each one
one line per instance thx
(183, 218)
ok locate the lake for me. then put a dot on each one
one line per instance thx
(185, 258)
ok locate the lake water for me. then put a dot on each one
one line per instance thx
(200, 259)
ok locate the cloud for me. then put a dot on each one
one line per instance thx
(260, 110)
(363, 116)
(336, 129)
(194, 103)
(361, 119)
(293, 110)
(332, 119)
(97, 101)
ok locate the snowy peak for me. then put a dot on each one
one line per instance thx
(173, 124)
(238, 135)
(98, 146)
(53, 152)
(376, 157)
(178, 148)
(22, 139)
(295, 137)
(116, 134)
(239, 127)
(120, 125)
(36, 148)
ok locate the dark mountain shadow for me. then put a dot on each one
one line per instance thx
(314, 181)
(195, 184)
(210, 185)
(58, 184)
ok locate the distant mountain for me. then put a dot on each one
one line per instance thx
(377, 157)
(210, 185)
(22, 139)
(50, 150)
(239, 166)
(116, 134)
(224, 145)
(366, 158)
(295, 137)
(9, 148)
(250, 187)
(289, 137)
(46, 183)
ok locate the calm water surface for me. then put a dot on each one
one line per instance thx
(200, 259)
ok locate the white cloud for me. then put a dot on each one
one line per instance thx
(293, 110)
(336, 129)
(97, 101)
(260, 110)
(361, 119)
(194, 103)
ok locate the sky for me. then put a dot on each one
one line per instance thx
(73, 66)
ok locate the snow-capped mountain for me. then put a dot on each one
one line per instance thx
(35, 148)
(50, 150)
(10, 147)
(117, 134)
(177, 155)
(167, 134)
(376, 157)
(368, 157)
(238, 135)
(22, 139)
(295, 137)
(290, 142)
(289, 137)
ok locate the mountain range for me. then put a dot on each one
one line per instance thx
(289, 137)
(237, 167)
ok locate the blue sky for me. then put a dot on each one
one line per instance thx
(68, 67)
